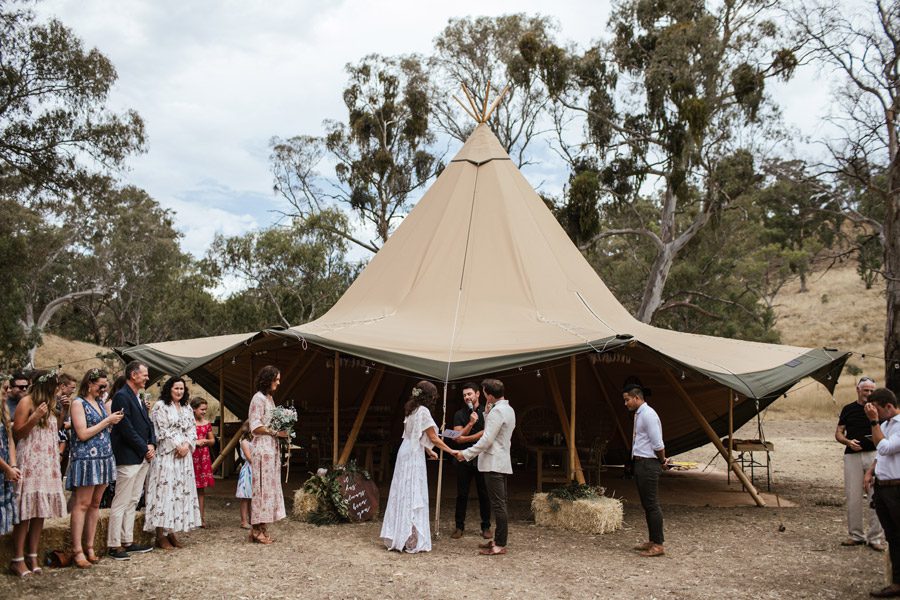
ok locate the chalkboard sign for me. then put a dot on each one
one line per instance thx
(361, 495)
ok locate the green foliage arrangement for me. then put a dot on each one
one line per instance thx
(573, 491)
(326, 487)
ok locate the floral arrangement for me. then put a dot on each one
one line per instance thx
(416, 392)
(283, 418)
(326, 488)
(573, 491)
(145, 397)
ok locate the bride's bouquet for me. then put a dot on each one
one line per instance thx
(284, 418)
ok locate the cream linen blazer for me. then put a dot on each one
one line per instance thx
(492, 449)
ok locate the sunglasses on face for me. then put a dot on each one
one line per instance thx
(19, 387)
(102, 387)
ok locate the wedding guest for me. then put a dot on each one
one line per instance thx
(134, 446)
(884, 473)
(171, 495)
(469, 422)
(18, 387)
(649, 455)
(202, 463)
(64, 394)
(245, 477)
(39, 490)
(494, 461)
(852, 431)
(9, 472)
(92, 465)
(267, 504)
(406, 525)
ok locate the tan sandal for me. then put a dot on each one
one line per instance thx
(91, 556)
(80, 560)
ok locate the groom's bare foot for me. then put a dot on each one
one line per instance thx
(493, 551)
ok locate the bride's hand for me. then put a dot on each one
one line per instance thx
(431, 453)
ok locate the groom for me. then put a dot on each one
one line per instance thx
(492, 451)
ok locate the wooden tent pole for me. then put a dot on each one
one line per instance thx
(227, 449)
(711, 434)
(361, 416)
(471, 102)
(730, 430)
(221, 412)
(612, 408)
(495, 103)
(572, 455)
(563, 419)
(337, 374)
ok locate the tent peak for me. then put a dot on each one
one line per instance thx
(483, 113)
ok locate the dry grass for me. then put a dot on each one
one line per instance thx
(837, 312)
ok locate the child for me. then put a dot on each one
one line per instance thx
(245, 477)
(202, 463)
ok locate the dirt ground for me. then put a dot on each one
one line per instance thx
(712, 552)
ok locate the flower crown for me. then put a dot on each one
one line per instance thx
(416, 392)
(94, 374)
(51, 374)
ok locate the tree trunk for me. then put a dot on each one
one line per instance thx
(892, 286)
(656, 282)
(803, 288)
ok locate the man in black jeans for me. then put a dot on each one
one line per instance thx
(882, 406)
(469, 422)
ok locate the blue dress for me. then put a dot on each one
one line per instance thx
(245, 478)
(9, 512)
(91, 462)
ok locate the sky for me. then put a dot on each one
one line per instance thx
(215, 80)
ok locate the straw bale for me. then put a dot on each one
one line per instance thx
(304, 504)
(594, 515)
(56, 536)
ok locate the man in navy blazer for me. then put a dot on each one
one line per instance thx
(134, 446)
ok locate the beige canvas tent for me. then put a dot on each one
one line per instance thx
(478, 280)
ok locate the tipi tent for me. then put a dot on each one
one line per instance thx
(481, 279)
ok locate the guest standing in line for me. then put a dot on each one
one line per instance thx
(202, 463)
(267, 504)
(649, 455)
(244, 489)
(9, 472)
(171, 496)
(92, 466)
(134, 446)
(39, 489)
(852, 431)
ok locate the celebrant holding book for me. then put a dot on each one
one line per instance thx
(267, 504)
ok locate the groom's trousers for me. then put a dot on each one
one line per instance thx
(496, 487)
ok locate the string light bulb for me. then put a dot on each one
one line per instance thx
(538, 372)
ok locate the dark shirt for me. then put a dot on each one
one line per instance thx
(461, 419)
(856, 422)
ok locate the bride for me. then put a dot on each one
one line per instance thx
(405, 524)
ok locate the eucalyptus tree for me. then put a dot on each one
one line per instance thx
(859, 43)
(664, 101)
(381, 154)
(483, 51)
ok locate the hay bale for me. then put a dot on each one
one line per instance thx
(304, 505)
(56, 536)
(595, 515)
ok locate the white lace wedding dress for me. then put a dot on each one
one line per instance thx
(405, 526)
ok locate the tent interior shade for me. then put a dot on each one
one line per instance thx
(480, 279)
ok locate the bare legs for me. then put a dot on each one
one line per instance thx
(245, 513)
(27, 533)
(201, 498)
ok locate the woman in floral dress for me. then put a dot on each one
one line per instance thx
(267, 505)
(92, 465)
(171, 495)
(9, 473)
(39, 490)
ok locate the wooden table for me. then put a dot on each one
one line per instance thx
(368, 449)
(745, 450)
(551, 476)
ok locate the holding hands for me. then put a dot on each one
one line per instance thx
(12, 473)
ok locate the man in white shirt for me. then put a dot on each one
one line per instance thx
(492, 450)
(649, 455)
(882, 406)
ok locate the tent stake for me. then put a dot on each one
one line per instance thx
(361, 416)
(337, 374)
(563, 419)
(711, 434)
